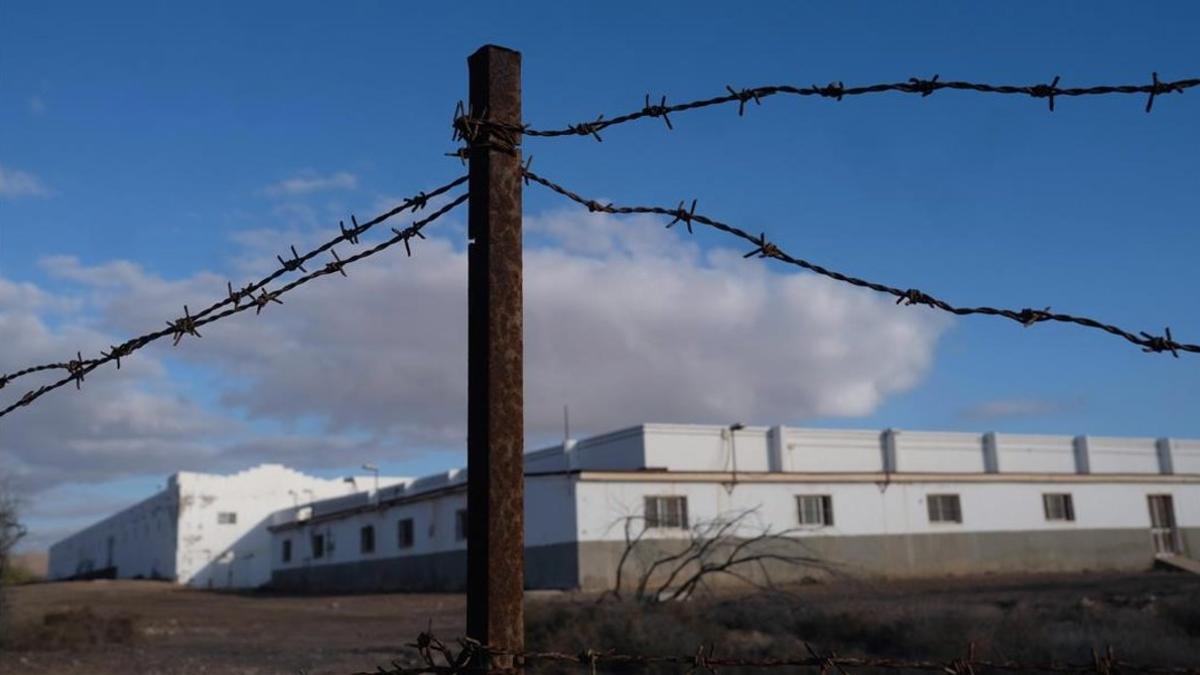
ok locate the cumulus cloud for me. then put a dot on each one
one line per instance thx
(311, 182)
(625, 322)
(16, 183)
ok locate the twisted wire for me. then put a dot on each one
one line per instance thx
(189, 324)
(468, 124)
(764, 248)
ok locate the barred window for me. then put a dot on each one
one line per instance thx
(815, 510)
(404, 533)
(460, 525)
(366, 539)
(318, 546)
(667, 512)
(287, 550)
(227, 518)
(1058, 506)
(944, 509)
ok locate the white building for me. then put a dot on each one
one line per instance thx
(203, 530)
(891, 503)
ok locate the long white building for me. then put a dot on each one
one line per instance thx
(205, 530)
(891, 503)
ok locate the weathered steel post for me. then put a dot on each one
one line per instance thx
(495, 359)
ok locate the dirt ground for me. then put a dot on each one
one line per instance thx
(104, 627)
(180, 630)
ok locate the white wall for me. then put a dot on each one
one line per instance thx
(1122, 455)
(867, 508)
(829, 450)
(938, 452)
(621, 449)
(549, 519)
(176, 534)
(142, 542)
(1185, 456)
(713, 448)
(697, 447)
(1030, 453)
(216, 555)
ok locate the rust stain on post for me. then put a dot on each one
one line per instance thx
(495, 407)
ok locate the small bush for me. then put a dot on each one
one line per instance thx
(999, 625)
(75, 629)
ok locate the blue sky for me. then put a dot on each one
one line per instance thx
(152, 133)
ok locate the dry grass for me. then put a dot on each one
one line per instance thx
(73, 629)
(1152, 619)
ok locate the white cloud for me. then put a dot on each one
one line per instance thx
(16, 183)
(310, 182)
(625, 322)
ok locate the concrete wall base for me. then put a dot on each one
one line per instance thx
(899, 556)
(552, 566)
(592, 565)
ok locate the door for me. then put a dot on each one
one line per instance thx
(1162, 525)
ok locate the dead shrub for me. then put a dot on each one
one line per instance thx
(75, 628)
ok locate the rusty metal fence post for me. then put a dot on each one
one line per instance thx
(495, 403)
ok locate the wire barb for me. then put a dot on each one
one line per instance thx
(589, 128)
(742, 97)
(684, 216)
(834, 90)
(1029, 316)
(924, 87)
(183, 326)
(116, 352)
(263, 299)
(1048, 91)
(1157, 87)
(660, 110)
(1157, 344)
(296, 262)
(337, 265)
(77, 368)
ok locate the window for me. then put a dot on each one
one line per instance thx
(944, 509)
(287, 550)
(460, 525)
(227, 518)
(366, 539)
(666, 512)
(1058, 506)
(318, 546)
(815, 510)
(404, 533)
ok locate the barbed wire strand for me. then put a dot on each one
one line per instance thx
(763, 248)
(189, 324)
(474, 657)
(467, 125)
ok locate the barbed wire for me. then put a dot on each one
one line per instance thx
(763, 248)
(189, 324)
(468, 124)
(474, 657)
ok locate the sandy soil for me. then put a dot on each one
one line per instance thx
(179, 630)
